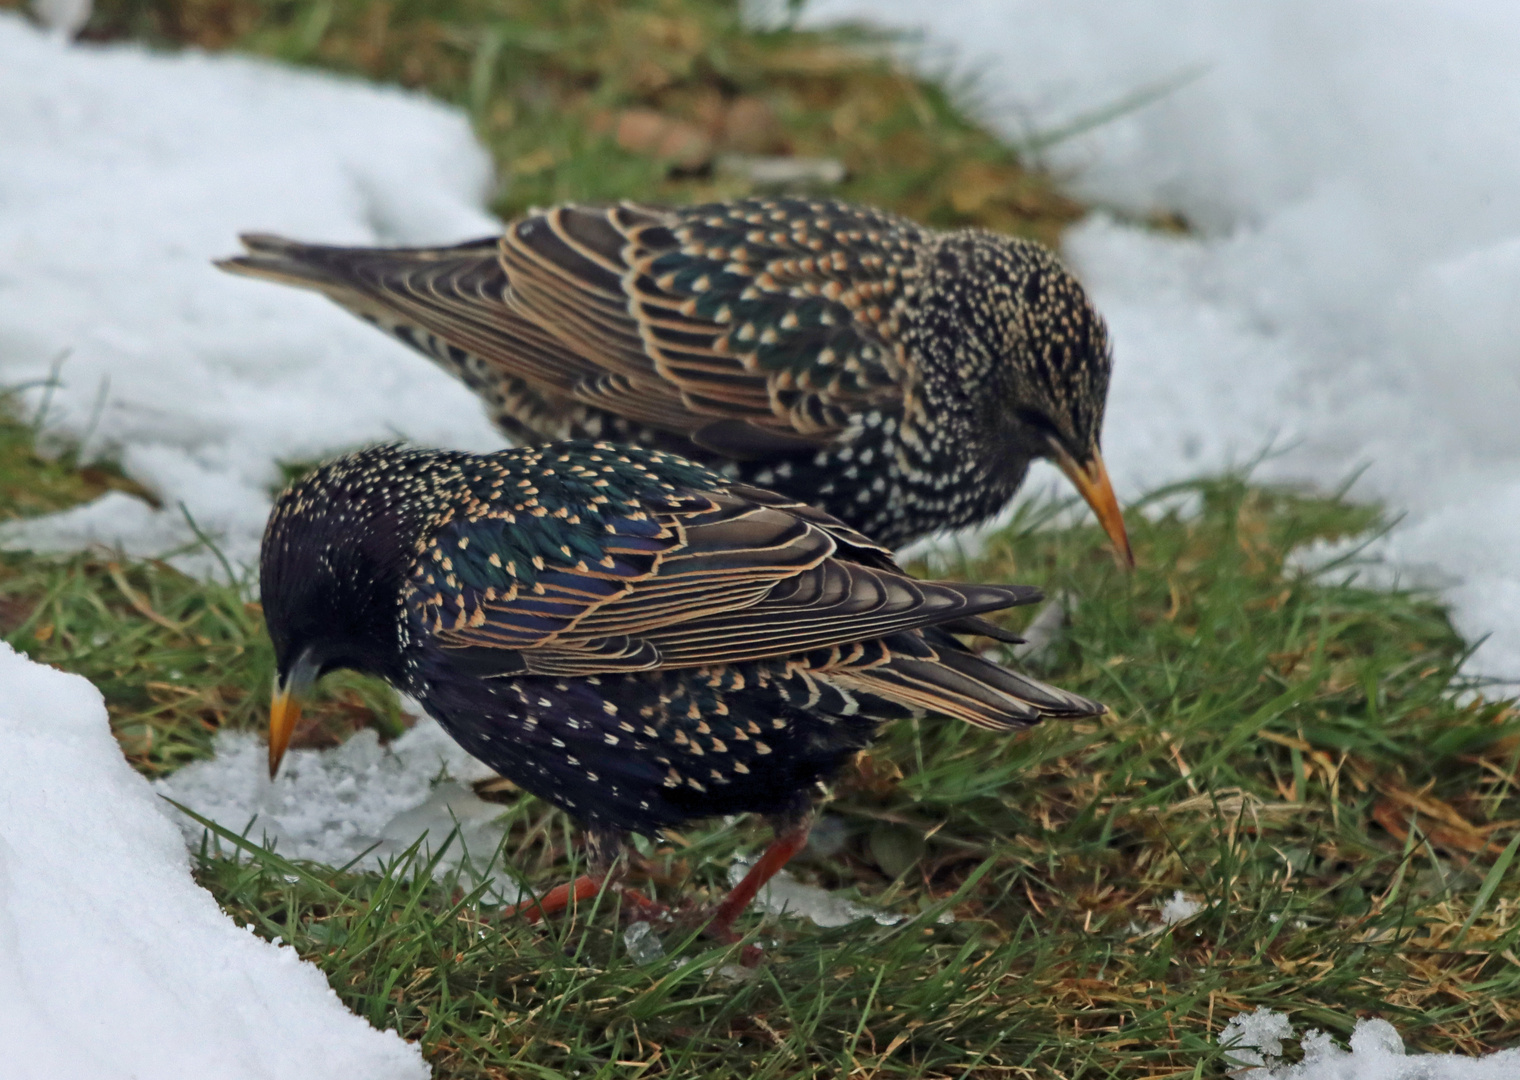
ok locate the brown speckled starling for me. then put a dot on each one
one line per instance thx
(899, 377)
(624, 633)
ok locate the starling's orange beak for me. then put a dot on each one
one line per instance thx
(284, 713)
(1091, 480)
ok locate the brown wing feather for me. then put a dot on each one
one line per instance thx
(570, 271)
(739, 581)
(587, 273)
(579, 304)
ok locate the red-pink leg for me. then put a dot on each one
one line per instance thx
(776, 856)
(584, 888)
(557, 899)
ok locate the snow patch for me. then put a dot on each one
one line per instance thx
(1351, 293)
(136, 169)
(359, 803)
(1377, 1053)
(113, 962)
(1180, 907)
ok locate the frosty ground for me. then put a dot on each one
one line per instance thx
(1318, 304)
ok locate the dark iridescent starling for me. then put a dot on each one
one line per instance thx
(899, 377)
(624, 633)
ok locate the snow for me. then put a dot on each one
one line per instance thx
(1255, 1036)
(783, 894)
(113, 962)
(357, 803)
(64, 18)
(1376, 1053)
(124, 174)
(1179, 907)
(1350, 294)
(1173, 911)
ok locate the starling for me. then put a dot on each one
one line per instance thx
(899, 377)
(624, 633)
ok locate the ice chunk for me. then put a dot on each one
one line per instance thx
(1254, 1036)
(1376, 1038)
(643, 945)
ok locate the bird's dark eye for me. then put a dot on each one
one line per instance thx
(1035, 420)
(1034, 287)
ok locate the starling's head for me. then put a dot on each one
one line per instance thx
(1029, 334)
(332, 570)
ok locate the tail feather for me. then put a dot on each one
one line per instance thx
(1001, 682)
(306, 266)
(333, 269)
(445, 302)
(938, 675)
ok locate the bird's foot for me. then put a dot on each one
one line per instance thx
(750, 956)
(636, 905)
(556, 899)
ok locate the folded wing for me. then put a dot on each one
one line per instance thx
(718, 578)
(755, 328)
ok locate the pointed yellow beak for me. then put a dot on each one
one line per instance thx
(1092, 483)
(284, 714)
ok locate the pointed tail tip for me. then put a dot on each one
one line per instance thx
(1089, 708)
(262, 253)
(274, 258)
(1055, 704)
(263, 243)
(981, 597)
(250, 266)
